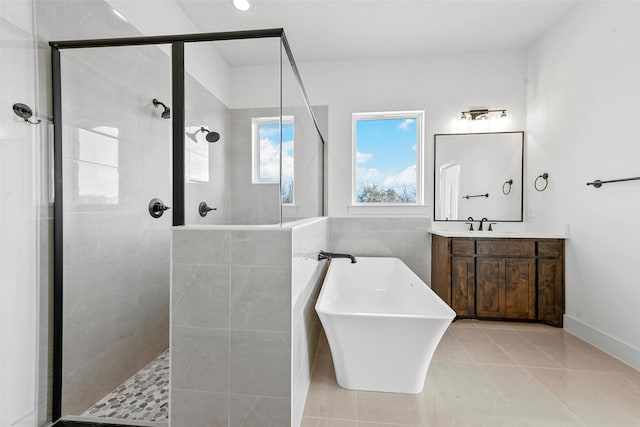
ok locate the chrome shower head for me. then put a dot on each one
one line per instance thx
(166, 114)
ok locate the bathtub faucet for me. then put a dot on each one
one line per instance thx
(328, 255)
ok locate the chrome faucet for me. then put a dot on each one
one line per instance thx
(329, 255)
(481, 222)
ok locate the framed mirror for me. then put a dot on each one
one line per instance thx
(478, 175)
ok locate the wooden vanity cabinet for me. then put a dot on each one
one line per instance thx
(514, 279)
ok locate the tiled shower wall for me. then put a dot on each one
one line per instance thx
(204, 109)
(116, 151)
(250, 203)
(307, 277)
(116, 255)
(404, 238)
(260, 203)
(244, 327)
(231, 327)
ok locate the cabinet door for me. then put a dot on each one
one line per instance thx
(462, 285)
(550, 291)
(520, 288)
(490, 287)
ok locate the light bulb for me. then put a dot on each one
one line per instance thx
(242, 5)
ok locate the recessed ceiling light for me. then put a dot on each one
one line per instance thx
(242, 5)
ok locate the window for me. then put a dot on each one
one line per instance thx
(387, 158)
(266, 153)
(196, 156)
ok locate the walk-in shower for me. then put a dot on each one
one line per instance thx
(123, 178)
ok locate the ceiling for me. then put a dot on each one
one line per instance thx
(322, 30)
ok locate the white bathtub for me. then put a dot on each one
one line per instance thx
(382, 322)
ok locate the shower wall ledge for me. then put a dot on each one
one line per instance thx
(287, 225)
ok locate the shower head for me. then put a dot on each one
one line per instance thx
(210, 137)
(166, 114)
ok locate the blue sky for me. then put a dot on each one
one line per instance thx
(270, 152)
(386, 152)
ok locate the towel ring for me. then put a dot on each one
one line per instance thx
(544, 176)
(508, 190)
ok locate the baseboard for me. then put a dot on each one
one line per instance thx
(611, 345)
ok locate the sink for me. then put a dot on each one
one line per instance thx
(513, 230)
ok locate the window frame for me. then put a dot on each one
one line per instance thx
(418, 115)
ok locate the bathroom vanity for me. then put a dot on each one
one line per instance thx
(513, 271)
(500, 278)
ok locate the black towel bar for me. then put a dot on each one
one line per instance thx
(477, 195)
(597, 183)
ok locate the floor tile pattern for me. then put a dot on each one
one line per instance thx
(491, 374)
(143, 397)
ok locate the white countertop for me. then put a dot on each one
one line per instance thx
(513, 230)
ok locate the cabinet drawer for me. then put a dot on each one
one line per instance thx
(550, 249)
(462, 247)
(519, 248)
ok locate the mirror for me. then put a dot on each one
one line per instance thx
(478, 175)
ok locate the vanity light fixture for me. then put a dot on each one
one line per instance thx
(481, 114)
(242, 5)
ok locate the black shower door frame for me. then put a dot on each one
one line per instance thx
(177, 43)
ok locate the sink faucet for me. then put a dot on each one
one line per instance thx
(483, 220)
(329, 255)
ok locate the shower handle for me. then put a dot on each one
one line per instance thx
(203, 209)
(157, 208)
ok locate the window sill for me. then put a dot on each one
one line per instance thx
(390, 210)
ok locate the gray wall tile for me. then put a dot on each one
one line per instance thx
(261, 363)
(201, 246)
(201, 295)
(259, 411)
(191, 408)
(404, 238)
(200, 359)
(261, 298)
(261, 247)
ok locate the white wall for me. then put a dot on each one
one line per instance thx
(18, 221)
(583, 109)
(442, 85)
(202, 60)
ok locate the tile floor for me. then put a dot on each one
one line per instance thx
(143, 397)
(491, 374)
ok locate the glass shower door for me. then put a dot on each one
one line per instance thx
(116, 161)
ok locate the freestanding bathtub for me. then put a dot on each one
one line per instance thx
(382, 322)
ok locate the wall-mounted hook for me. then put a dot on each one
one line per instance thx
(203, 209)
(545, 177)
(508, 189)
(24, 112)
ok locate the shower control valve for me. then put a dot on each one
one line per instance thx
(157, 208)
(203, 209)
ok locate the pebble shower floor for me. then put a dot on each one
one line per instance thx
(143, 397)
